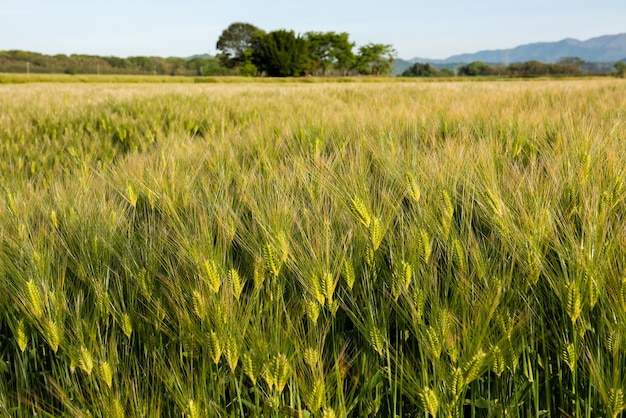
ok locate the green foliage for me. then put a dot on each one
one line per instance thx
(71, 70)
(572, 61)
(474, 68)
(421, 70)
(376, 59)
(620, 69)
(244, 50)
(330, 50)
(235, 42)
(570, 66)
(281, 54)
(34, 63)
(116, 62)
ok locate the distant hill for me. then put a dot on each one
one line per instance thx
(401, 66)
(200, 56)
(607, 48)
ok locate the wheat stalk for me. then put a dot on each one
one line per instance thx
(616, 401)
(328, 413)
(118, 409)
(376, 233)
(569, 356)
(312, 308)
(311, 357)
(328, 287)
(499, 364)
(236, 283)
(259, 273)
(573, 303)
(425, 246)
(52, 334)
(276, 372)
(430, 401)
(212, 275)
(193, 409)
(376, 338)
(412, 188)
(199, 305)
(231, 353)
(348, 273)
(475, 366)
(250, 367)
(20, 336)
(106, 373)
(85, 360)
(215, 346)
(283, 245)
(457, 383)
(317, 396)
(317, 289)
(126, 324)
(36, 306)
(434, 342)
(360, 211)
(273, 264)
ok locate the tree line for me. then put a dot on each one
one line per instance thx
(251, 51)
(567, 66)
(17, 61)
(244, 49)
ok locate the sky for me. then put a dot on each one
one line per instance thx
(182, 28)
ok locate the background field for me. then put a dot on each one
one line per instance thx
(313, 249)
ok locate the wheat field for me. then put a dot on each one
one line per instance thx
(313, 249)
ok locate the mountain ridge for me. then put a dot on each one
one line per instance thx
(604, 48)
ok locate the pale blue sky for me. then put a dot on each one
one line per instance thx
(187, 27)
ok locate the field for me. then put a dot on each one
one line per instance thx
(313, 249)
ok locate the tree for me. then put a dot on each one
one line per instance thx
(146, 64)
(474, 68)
(330, 50)
(421, 70)
(247, 68)
(376, 59)
(281, 54)
(173, 64)
(234, 42)
(573, 61)
(620, 69)
(116, 62)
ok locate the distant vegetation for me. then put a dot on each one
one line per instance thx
(568, 66)
(243, 49)
(246, 50)
(281, 53)
(427, 70)
(32, 62)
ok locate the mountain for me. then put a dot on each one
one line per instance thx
(400, 66)
(200, 56)
(607, 48)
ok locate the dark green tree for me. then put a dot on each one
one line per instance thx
(247, 68)
(421, 70)
(172, 65)
(620, 69)
(376, 59)
(235, 42)
(573, 61)
(474, 68)
(117, 62)
(145, 64)
(330, 50)
(281, 54)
